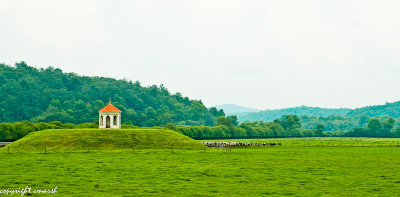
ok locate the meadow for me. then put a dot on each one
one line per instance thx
(291, 169)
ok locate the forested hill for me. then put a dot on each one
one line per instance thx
(269, 115)
(37, 95)
(389, 109)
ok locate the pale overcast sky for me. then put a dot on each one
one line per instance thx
(260, 54)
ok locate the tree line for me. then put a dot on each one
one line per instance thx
(335, 121)
(225, 127)
(290, 126)
(337, 125)
(13, 131)
(376, 128)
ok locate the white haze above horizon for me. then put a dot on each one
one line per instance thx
(258, 54)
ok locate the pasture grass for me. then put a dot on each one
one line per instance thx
(267, 171)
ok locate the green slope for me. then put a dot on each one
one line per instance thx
(269, 115)
(389, 109)
(62, 140)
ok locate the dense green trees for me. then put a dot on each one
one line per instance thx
(286, 126)
(229, 121)
(337, 125)
(11, 132)
(335, 121)
(389, 109)
(289, 122)
(45, 95)
(64, 100)
(376, 128)
(319, 129)
(291, 126)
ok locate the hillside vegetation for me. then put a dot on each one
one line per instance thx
(45, 95)
(62, 140)
(389, 109)
(334, 121)
(269, 115)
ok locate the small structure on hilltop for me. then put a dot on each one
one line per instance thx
(110, 117)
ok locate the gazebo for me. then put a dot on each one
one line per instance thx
(110, 117)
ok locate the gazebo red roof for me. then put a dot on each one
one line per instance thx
(110, 108)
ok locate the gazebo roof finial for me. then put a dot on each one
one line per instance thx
(110, 100)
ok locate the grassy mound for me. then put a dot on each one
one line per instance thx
(62, 140)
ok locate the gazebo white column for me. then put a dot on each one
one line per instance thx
(111, 121)
(119, 121)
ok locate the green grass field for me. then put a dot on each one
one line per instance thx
(287, 170)
(68, 140)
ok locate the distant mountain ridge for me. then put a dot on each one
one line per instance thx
(269, 115)
(388, 109)
(231, 109)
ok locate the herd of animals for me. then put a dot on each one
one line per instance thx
(225, 144)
